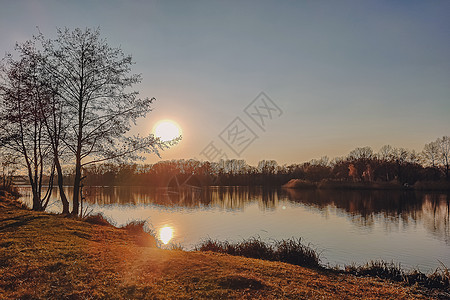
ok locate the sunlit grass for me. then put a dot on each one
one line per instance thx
(292, 251)
(48, 256)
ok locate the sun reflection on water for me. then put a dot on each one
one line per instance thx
(165, 234)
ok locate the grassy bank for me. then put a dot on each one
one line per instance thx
(49, 256)
(292, 251)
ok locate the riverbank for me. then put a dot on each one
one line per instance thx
(49, 256)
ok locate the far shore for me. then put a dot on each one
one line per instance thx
(324, 185)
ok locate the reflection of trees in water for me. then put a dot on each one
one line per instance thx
(365, 208)
(395, 208)
(436, 215)
(237, 197)
(230, 198)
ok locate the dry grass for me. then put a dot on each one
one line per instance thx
(10, 192)
(44, 256)
(97, 219)
(439, 279)
(290, 251)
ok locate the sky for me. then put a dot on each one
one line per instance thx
(283, 80)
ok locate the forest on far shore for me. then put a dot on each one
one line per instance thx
(396, 165)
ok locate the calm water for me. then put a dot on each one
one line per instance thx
(410, 228)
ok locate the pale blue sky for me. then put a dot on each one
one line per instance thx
(344, 73)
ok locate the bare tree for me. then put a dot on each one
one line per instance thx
(52, 109)
(444, 151)
(92, 80)
(360, 153)
(69, 100)
(56, 127)
(47, 107)
(430, 153)
(21, 127)
(323, 161)
(267, 167)
(386, 153)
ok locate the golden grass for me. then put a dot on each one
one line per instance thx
(45, 256)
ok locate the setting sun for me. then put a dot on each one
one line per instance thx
(167, 130)
(165, 234)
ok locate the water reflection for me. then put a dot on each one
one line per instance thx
(436, 216)
(165, 234)
(365, 208)
(229, 198)
(393, 209)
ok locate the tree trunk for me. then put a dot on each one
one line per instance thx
(76, 187)
(62, 195)
(447, 166)
(36, 199)
(36, 203)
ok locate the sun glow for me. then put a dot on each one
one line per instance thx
(165, 234)
(167, 130)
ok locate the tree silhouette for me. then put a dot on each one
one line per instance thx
(444, 152)
(93, 79)
(21, 130)
(431, 153)
(83, 103)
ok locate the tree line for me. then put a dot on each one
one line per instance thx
(362, 164)
(69, 101)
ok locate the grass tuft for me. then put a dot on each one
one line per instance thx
(97, 219)
(378, 268)
(143, 238)
(254, 248)
(440, 278)
(290, 251)
(135, 227)
(294, 252)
